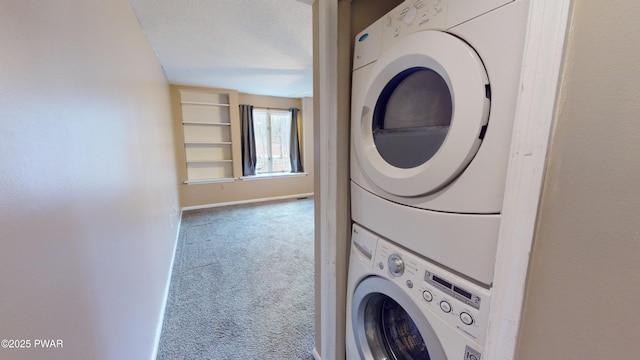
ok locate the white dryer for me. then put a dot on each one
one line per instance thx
(401, 306)
(435, 84)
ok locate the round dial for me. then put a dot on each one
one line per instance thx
(396, 265)
(410, 15)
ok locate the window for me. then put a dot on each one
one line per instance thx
(273, 140)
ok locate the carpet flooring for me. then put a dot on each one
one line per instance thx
(243, 284)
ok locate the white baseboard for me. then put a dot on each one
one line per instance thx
(316, 356)
(166, 291)
(249, 201)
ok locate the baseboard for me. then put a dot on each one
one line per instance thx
(249, 201)
(166, 291)
(316, 356)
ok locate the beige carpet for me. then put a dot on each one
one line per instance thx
(242, 284)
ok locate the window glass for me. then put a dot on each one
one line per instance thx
(261, 132)
(272, 130)
(412, 117)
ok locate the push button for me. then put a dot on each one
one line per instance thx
(427, 296)
(445, 306)
(466, 318)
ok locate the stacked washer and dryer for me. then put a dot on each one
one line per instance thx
(435, 84)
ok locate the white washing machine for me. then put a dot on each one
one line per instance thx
(435, 84)
(402, 307)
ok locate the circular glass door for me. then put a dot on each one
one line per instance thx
(392, 335)
(388, 325)
(412, 117)
(424, 113)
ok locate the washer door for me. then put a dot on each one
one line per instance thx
(424, 113)
(387, 324)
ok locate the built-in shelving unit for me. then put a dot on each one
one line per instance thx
(208, 135)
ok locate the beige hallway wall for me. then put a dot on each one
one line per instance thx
(582, 290)
(88, 204)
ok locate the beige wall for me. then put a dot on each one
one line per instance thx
(199, 195)
(88, 193)
(366, 12)
(583, 287)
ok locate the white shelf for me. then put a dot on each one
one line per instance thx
(209, 161)
(205, 123)
(207, 143)
(208, 181)
(202, 103)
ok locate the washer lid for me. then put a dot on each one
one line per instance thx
(424, 113)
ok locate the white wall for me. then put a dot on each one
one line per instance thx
(88, 192)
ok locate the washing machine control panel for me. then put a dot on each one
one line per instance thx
(412, 16)
(406, 18)
(453, 290)
(416, 15)
(456, 300)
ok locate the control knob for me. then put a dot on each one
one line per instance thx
(396, 265)
(410, 15)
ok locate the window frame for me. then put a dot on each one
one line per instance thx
(269, 112)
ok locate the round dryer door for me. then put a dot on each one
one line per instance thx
(387, 324)
(424, 113)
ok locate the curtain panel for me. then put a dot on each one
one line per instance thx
(248, 143)
(294, 153)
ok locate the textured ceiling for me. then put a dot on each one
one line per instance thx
(257, 47)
